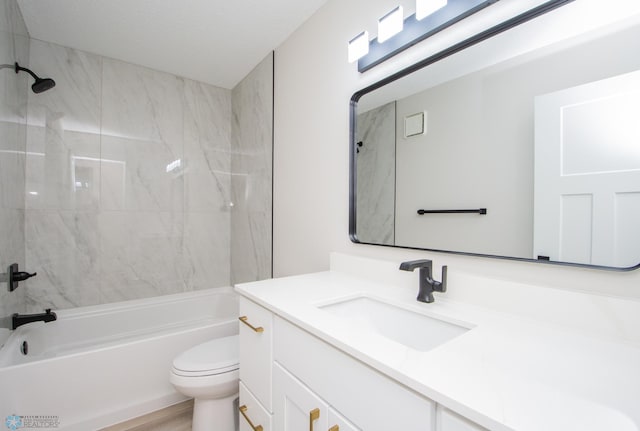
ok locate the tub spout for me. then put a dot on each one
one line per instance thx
(23, 319)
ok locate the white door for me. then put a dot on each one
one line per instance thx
(295, 407)
(587, 173)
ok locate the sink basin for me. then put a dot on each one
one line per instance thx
(406, 327)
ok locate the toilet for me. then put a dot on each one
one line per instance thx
(209, 373)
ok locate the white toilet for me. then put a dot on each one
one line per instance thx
(208, 373)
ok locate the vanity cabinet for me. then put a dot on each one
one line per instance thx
(368, 399)
(450, 421)
(253, 416)
(296, 407)
(256, 359)
(291, 380)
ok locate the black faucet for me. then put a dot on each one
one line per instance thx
(23, 319)
(427, 284)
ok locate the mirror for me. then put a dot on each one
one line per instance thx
(523, 145)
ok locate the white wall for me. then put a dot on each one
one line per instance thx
(313, 85)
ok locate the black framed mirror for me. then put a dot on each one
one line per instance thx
(522, 142)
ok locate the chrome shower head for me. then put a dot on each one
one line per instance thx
(41, 84)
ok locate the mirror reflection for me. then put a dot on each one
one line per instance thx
(547, 140)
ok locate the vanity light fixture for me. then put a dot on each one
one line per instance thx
(395, 34)
(424, 8)
(390, 24)
(358, 46)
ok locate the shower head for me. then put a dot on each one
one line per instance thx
(41, 84)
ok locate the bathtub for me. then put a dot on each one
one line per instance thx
(100, 365)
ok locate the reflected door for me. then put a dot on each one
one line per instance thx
(587, 173)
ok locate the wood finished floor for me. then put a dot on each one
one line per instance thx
(173, 418)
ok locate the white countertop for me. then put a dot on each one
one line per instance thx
(506, 373)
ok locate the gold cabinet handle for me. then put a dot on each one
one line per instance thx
(243, 319)
(334, 428)
(243, 411)
(313, 415)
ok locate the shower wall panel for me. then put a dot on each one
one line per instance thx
(251, 162)
(128, 182)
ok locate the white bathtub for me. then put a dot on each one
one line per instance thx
(100, 365)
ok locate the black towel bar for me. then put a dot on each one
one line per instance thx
(478, 211)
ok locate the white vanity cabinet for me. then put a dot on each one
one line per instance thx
(339, 423)
(291, 380)
(450, 421)
(368, 399)
(256, 359)
(296, 407)
(253, 416)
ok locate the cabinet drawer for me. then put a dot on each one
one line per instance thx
(252, 414)
(256, 354)
(450, 421)
(369, 399)
(339, 423)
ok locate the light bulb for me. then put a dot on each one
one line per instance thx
(390, 24)
(358, 46)
(424, 8)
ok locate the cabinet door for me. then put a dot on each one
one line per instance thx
(295, 407)
(450, 421)
(338, 423)
(256, 354)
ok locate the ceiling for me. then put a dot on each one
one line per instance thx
(213, 41)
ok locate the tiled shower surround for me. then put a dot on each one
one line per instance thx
(129, 179)
(251, 164)
(376, 131)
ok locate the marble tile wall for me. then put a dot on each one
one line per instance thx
(375, 196)
(128, 182)
(251, 162)
(14, 47)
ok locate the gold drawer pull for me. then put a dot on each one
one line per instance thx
(334, 428)
(313, 415)
(243, 319)
(243, 410)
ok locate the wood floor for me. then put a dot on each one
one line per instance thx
(173, 418)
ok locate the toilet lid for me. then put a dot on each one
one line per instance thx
(213, 357)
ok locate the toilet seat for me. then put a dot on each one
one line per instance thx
(214, 357)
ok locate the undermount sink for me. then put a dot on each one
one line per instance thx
(406, 327)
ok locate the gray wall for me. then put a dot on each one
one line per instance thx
(128, 183)
(107, 218)
(14, 46)
(376, 175)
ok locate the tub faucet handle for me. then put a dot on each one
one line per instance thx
(13, 276)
